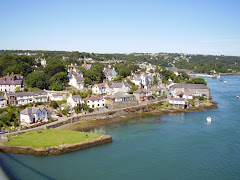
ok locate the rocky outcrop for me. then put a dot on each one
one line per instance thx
(56, 150)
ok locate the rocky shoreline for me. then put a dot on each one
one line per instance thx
(132, 113)
(65, 148)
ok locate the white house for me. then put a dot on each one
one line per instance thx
(34, 114)
(179, 102)
(110, 74)
(95, 101)
(74, 100)
(9, 83)
(21, 98)
(77, 81)
(114, 87)
(55, 97)
(98, 89)
(3, 102)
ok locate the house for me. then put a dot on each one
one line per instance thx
(77, 81)
(3, 102)
(42, 61)
(113, 87)
(143, 95)
(99, 89)
(34, 114)
(192, 89)
(86, 66)
(74, 100)
(94, 101)
(121, 96)
(55, 97)
(21, 98)
(9, 83)
(156, 90)
(136, 80)
(110, 74)
(179, 102)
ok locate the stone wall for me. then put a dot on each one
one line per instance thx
(56, 150)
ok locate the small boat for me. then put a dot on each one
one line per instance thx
(225, 82)
(238, 96)
(220, 79)
(209, 119)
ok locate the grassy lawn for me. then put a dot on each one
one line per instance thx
(49, 138)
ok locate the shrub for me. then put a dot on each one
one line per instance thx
(54, 104)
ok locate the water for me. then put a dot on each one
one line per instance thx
(183, 147)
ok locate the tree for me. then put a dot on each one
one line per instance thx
(197, 81)
(58, 81)
(54, 104)
(37, 79)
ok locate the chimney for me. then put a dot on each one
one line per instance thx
(8, 74)
(34, 105)
(88, 96)
(12, 73)
(12, 79)
(46, 106)
(5, 79)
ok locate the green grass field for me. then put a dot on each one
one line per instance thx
(49, 138)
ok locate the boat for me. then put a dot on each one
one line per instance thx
(220, 79)
(209, 119)
(225, 82)
(238, 96)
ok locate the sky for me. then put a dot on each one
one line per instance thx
(122, 26)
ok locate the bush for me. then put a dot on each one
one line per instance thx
(54, 104)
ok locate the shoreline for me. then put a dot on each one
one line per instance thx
(66, 148)
(90, 124)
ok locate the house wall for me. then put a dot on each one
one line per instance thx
(3, 103)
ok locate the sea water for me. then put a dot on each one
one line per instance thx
(182, 146)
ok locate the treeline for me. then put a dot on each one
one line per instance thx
(197, 63)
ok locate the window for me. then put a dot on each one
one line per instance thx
(98, 105)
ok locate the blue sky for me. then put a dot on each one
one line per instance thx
(122, 26)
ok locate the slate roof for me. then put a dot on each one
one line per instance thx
(93, 98)
(79, 79)
(10, 82)
(189, 86)
(28, 93)
(141, 91)
(76, 98)
(177, 99)
(57, 95)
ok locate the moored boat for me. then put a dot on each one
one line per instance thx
(209, 119)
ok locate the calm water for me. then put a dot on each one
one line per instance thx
(183, 147)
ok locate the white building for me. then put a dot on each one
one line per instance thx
(55, 97)
(34, 114)
(95, 102)
(98, 89)
(21, 98)
(3, 102)
(114, 87)
(179, 102)
(77, 81)
(9, 83)
(74, 100)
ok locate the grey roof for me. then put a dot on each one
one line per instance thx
(30, 110)
(189, 86)
(114, 84)
(76, 97)
(33, 110)
(27, 93)
(108, 72)
(79, 78)
(57, 95)
(178, 99)
(141, 91)
(10, 82)
(122, 94)
(93, 98)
